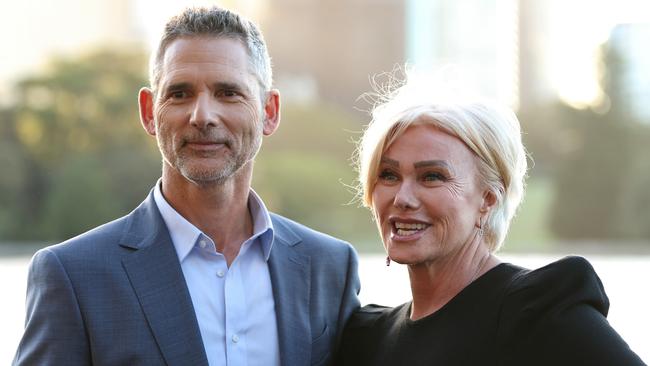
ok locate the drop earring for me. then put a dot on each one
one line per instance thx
(387, 261)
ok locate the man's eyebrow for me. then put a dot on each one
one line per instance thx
(389, 161)
(434, 163)
(225, 85)
(178, 86)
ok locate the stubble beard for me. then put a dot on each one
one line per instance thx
(177, 158)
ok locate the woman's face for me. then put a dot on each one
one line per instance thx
(427, 200)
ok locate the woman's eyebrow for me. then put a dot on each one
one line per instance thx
(389, 161)
(430, 163)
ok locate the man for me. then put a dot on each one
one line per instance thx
(200, 273)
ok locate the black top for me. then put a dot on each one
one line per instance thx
(509, 316)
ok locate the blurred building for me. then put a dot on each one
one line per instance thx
(329, 49)
(321, 49)
(478, 36)
(629, 45)
(535, 87)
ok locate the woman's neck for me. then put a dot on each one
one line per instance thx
(434, 284)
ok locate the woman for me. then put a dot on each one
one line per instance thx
(443, 179)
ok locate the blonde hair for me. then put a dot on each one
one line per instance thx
(490, 131)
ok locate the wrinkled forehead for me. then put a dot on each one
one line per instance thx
(206, 59)
(205, 49)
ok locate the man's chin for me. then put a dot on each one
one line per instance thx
(208, 175)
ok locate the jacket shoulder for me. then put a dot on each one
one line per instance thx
(300, 232)
(92, 241)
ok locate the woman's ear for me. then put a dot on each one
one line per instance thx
(489, 200)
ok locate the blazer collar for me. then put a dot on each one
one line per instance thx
(157, 279)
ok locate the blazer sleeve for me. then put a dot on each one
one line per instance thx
(556, 315)
(350, 300)
(54, 330)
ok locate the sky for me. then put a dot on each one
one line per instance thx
(31, 30)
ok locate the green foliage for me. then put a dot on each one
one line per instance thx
(597, 161)
(74, 154)
(304, 172)
(529, 229)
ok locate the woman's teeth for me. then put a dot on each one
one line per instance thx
(404, 229)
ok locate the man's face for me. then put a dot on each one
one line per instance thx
(207, 115)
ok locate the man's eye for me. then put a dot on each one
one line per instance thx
(179, 94)
(229, 93)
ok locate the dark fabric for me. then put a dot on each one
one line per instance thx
(555, 315)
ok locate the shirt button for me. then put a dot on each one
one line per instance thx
(220, 273)
(235, 338)
(202, 244)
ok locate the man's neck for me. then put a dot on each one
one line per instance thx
(218, 210)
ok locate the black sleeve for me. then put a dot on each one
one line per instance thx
(359, 341)
(556, 315)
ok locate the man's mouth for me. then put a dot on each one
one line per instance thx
(205, 144)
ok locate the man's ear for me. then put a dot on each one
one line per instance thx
(145, 102)
(271, 111)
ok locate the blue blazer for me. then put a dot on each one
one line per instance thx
(116, 295)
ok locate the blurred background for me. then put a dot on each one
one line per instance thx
(577, 73)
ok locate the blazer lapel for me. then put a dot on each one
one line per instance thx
(290, 277)
(158, 281)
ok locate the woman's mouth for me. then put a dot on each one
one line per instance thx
(408, 230)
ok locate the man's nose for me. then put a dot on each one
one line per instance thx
(204, 111)
(406, 197)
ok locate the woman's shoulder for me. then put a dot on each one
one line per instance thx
(559, 284)
(556, 315)
(373, 315)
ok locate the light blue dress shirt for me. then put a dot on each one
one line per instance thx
(234, 306)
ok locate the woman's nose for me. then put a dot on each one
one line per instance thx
(406, 197)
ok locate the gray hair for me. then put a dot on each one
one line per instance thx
(490, 131)
(215, 22)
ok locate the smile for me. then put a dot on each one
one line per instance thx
(405, 229)
(205, 145)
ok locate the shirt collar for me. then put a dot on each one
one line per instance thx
(184, 234)
(262, 225)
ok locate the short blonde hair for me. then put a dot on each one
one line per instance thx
(490, 131)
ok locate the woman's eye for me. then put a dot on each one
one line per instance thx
(387, 175)
(433, 177)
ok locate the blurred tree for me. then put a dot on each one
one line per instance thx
(79, 156)
(13, 177)
(304, 171)
(601, 181)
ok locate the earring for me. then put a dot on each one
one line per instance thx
(387, 261)
(480, 226)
